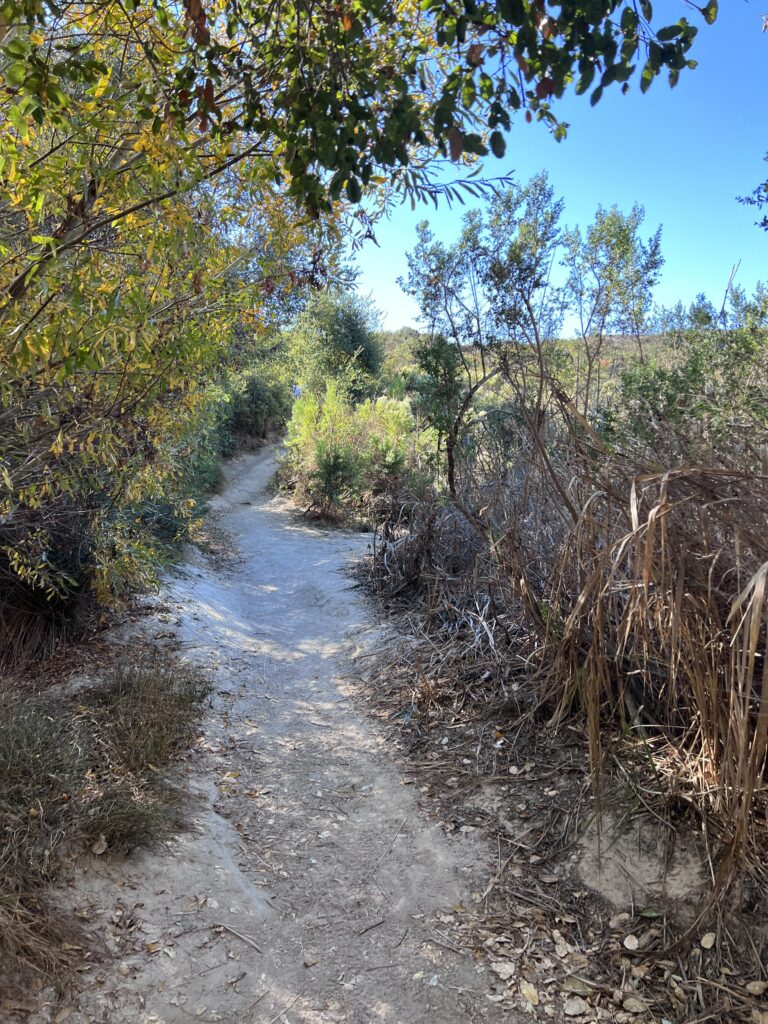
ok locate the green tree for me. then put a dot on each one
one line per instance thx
(611, 275)
(333, 97)
(334, 339)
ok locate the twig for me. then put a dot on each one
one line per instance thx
(445, 945)
(245, 938)
(391, 844)
(372, 926)
(285, 1009)
(497, 877)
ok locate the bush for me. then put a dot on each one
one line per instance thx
(343, 459)
(626, 572)
(62, 559)
(258, 408)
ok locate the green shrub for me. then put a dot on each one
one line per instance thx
(342, 458)
(259, 407)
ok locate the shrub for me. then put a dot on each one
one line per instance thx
(626, 574)
(259, 407)
(342, 459)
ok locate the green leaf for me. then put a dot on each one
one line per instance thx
(354, 191)
(17, 48)
(664, 35)
(629, 21)
(56, 95)
(16, 74)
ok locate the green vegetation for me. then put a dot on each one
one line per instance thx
(344, 459)
(180, 190)
(334, 339)
(175, 180)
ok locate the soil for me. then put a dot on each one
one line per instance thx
(315, 883)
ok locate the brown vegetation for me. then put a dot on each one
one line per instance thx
(81, 772)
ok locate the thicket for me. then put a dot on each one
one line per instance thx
(130, 363)
(171, 181)
(597, 530)
(351, 448)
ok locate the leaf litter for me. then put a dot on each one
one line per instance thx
(552, 946)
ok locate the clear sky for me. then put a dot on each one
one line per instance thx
(683, 153)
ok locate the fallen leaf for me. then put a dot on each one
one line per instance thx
(505, 970)
(633, 1005)
(529, 992)
(575, 1007)
(651, 912)
(576, 985)
(708, 940)
(631, 942)
(757, 988)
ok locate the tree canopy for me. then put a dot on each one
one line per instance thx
(333, 95)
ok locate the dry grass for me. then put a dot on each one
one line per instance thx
(79, 771)
(593, 584)
(476, 738)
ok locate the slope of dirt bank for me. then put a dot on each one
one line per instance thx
(314, 887)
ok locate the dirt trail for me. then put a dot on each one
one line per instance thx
(313, 887)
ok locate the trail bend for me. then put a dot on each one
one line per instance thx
(314, 887)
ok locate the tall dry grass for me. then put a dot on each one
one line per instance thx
(623, 578)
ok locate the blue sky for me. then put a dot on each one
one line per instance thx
(683, 153)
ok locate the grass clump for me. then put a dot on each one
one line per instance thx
(149, 711)
(81, 773)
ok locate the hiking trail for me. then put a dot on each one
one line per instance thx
(311, 886)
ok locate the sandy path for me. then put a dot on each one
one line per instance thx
(315, 888)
